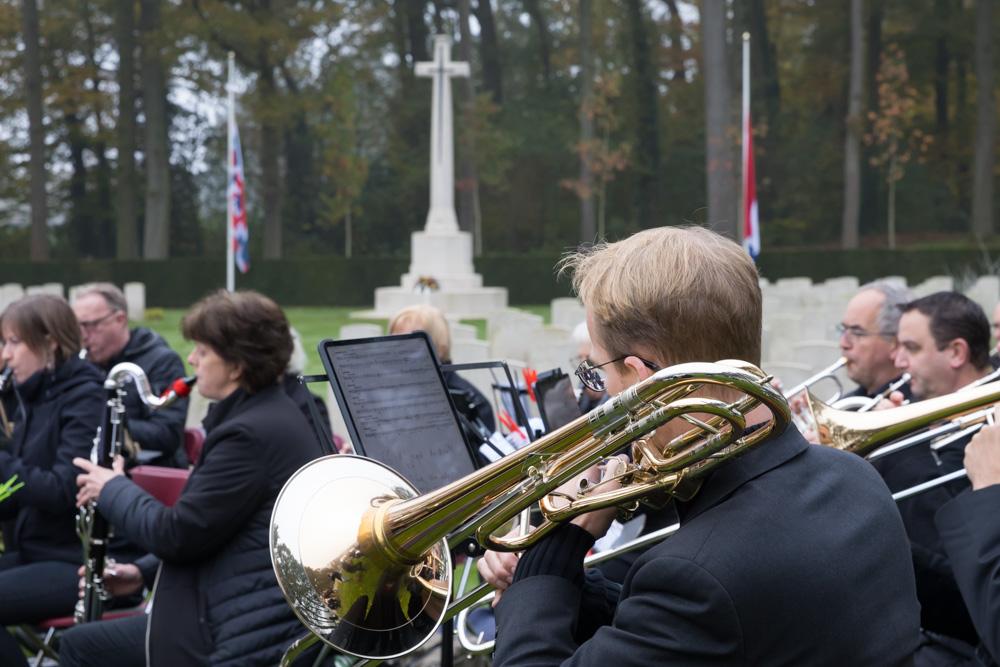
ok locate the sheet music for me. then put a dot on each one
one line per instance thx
(400, 408)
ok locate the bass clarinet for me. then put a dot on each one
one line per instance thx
(91, 527)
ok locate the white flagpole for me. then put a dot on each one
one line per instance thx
(231, 126)
(746, 124)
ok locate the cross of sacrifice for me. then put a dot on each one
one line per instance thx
(441, 216)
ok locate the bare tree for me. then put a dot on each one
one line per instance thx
(126, 236)
(156, 230)
(36, 130)
(469, 214)
(718, 149)
(986, 123)
(855, 129)
(588, 220)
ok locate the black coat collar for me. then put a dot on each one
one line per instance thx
(234, 404)
(721, 483)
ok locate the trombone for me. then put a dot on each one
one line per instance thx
(376, 583)
(476, 645)
(830, 372)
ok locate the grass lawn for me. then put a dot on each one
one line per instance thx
(313, 324)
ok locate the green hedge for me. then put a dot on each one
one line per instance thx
(335, 281)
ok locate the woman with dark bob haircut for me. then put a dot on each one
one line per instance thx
(59, 407)
(216, 600)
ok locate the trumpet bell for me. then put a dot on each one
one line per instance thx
(333, 572)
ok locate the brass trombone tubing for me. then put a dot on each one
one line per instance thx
(476, 646)
(828, 372)
(930, 484)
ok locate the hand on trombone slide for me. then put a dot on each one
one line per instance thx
(982, 454)
(497, 567)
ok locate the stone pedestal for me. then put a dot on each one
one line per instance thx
(447, 258)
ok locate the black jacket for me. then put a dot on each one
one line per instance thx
(217, 601)
(969, 526)
(60, 413)
(159, 430)
(790, 555)
(941, 607)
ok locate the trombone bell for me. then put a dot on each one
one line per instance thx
(335, 571)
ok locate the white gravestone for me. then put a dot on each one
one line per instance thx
(441, 252)
(135, 298)
(54, 289)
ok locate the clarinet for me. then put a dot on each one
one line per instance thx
(91, 527)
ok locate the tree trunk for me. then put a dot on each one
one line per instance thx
(986, 123)
(101, 222)
(126, 237)
(588, 222)
(892, 209)
(270, 167)
(647, 122)
(156, 232)
(544, 39)
(78, 232)
(942, 58)
(36, 131)
(855, 127)
(765, 61)
(718, 149)
(489, 50)
(469, 218)
(676, 42)
(416, 30)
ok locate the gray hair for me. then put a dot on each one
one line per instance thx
(896, 296)
(113, 296)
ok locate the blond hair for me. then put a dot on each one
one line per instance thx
(424, 317)
(683, 293)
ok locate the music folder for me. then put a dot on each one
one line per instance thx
(396, 406)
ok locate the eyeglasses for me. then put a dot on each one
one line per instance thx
(854, 332)
(90, 325)
(595, 379)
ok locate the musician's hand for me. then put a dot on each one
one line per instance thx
(597, 522)
(120, 579)
(982, 458)
(894, 400)
(497, 569)
(94, 477)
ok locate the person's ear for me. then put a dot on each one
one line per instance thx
(639, 368)
(958, 353)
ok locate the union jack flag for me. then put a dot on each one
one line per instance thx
(237, 205)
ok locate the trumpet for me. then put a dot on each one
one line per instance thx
(376, 583)
(92, 528)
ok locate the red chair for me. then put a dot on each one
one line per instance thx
(164, 484)
(194, 440)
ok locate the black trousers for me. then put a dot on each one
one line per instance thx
(29, 593)
(117, 643)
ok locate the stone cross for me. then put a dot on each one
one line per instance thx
(441, 216)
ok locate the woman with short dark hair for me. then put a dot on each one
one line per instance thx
(216, 600)
(59, 407)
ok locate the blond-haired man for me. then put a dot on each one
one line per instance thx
(769, 550)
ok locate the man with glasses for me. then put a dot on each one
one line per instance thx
(101, 310)
(868, 337)
(785, 555)
(944, 344)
